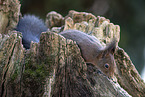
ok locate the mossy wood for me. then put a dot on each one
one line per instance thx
(54, 66)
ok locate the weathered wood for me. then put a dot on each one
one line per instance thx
(9, 15)
(127, 75)
(54, 66)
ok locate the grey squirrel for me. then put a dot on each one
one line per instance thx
(91, 49)
(93, 52)
(31, 28)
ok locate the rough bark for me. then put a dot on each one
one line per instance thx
(9, 15)
(54, 66)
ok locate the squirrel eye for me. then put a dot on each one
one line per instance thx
(106, 65)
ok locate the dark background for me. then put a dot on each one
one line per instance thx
(129, 14)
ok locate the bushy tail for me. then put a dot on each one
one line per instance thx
(31, 28)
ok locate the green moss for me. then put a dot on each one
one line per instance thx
(17, 70)
(34, 76)
(14, 76)
(37, 71)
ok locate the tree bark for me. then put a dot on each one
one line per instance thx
(54, 66)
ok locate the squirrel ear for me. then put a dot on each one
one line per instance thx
(110, 48)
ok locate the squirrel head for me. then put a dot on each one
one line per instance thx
(105, 60)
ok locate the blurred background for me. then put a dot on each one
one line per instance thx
(128, 14)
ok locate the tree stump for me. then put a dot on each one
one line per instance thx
(54, 66)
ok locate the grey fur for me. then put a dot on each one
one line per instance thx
(93, 52)
(31, 28)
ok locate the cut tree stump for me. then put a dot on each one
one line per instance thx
(54, 66)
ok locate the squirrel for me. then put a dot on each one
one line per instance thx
(93, 52)
(31, 28)
(91, 49)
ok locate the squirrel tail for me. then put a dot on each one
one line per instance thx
(31, 28)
